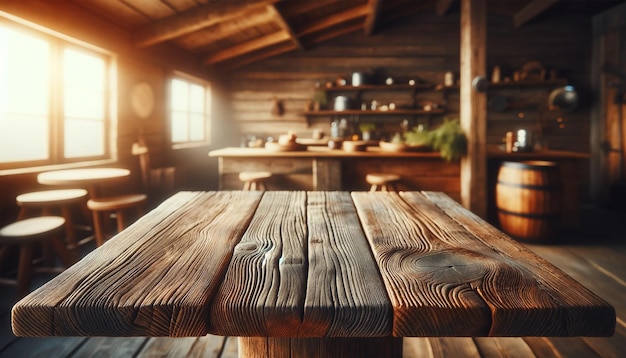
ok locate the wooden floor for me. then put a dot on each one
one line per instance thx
(595, 256)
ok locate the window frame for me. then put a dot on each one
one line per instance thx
(56, 117)
(208, 115)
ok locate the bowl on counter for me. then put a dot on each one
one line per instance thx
(403, 147)
(354, 145)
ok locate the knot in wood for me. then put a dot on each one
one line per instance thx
(453, 267)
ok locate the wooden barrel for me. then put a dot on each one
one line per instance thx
(529, 199)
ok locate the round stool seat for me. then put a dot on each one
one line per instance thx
(252, 176)
(384, 182)
(46, 230)
(116, 202)
(51, 197)
(254, 180)
(32, 229)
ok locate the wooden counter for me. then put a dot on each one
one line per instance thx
(321, 168)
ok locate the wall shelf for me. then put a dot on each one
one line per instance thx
(359, 112)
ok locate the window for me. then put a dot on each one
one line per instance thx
(190, 109)
(53, 100)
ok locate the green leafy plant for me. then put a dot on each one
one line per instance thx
(448, 139)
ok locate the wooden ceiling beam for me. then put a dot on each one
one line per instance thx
(532, 10)
(371, 20)
(280, 20)
(336, 33)
(443, 6)
(192, 20)
(223, 30)
(336, 19)
(238, 50)
(275, 51)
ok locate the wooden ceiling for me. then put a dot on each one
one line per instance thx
(234, 33)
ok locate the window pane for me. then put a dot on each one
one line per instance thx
(180, 95)
(190, 106)
(83, 71)
(180, 127)
(196, 124)
(84, 104)
(196, 99)
(83, 138)
(23, 138)
(24, 96)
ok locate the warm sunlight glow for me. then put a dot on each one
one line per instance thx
(189, 111)
(24, 96)
(84, 106)
(53, 100)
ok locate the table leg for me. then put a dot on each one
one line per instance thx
(270, 347)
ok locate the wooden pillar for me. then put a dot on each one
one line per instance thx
(473, 109)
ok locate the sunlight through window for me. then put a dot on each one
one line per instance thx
(190, 111)
(53, 100)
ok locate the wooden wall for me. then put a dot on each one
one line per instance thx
(607, 138)
(425, 46)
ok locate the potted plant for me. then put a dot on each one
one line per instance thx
(366, 130)
(448, 139)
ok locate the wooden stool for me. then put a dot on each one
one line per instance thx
(118, 205)
(47, 200)
(26, 233)
(254, 180)
(384, 182)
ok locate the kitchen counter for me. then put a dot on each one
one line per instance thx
(318, 152)
(322, 168)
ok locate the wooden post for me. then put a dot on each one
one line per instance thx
(473, 109)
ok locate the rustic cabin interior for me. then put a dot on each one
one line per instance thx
(163, 96)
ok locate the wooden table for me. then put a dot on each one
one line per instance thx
(89, 178)
(312, 273)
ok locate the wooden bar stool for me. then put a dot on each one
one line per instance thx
(118, 205)
(254, 180)
(48, 200)
(384, 182)
(26, 233)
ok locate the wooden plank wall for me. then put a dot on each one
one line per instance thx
(425, 46)
(609, 62)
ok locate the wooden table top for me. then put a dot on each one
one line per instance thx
(312, 264)
(80, 177)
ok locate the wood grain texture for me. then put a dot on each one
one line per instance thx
(528, 296)
(133, 286)
(308, 273)
(301, 266)
(429, 281)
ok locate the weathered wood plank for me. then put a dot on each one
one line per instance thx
(341, 273)
(209, 346)
(454, 347)
(190, 234)
(512, 347)
(275, 287)
(263, 291)
(111, 347)
(431, 282)
(536, 284)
